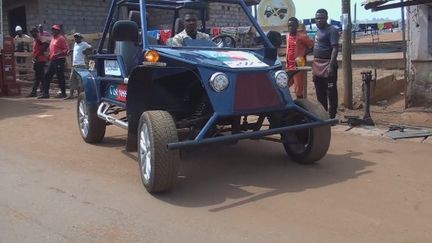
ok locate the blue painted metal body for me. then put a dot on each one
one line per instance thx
(204, 61)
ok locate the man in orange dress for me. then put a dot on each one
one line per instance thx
(298, 43)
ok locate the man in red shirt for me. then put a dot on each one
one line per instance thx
(298, 44)
(58, 50)
(40, 46)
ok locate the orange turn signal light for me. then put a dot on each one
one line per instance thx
(152, 56)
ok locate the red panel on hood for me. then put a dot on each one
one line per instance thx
(255, 91)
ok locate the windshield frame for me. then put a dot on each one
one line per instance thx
(177, 5)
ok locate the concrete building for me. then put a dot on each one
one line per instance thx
(85, 16)
(419, 33)
(75, 15)
(419, 47)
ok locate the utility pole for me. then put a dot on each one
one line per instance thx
(404, 40)
(355, 22)
(346, 53)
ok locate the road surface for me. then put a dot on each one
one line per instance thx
(56, 188)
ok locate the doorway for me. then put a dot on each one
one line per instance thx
(17, 16)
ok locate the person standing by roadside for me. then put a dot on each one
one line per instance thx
(78, 62)
(21, 46)
(58, 51)
(45, 36)
(325, 65)
(40, 45)
(298, 43)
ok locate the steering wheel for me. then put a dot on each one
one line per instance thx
(224, 41)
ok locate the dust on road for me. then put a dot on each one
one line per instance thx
(56, 188)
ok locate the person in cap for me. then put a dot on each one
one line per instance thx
(21, 46)
(58, 51)
(19, 32)
(44, 35)
(78, 62)
(39, 60)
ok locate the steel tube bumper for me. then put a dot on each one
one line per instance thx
(248, 135)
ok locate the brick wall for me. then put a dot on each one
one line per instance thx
(85, 16)
(227, 15)
(221, 15)
(88, 16)
(32, 13)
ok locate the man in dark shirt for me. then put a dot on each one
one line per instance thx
(325, 63)
(40, 46)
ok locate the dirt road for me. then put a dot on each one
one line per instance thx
(56, 188)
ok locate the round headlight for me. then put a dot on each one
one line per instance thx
(281, 79)
(219, 82)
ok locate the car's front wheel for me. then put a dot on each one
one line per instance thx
(158, 165)
(305, 146)
(91, 127)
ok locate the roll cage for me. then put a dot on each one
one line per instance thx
(176, 5)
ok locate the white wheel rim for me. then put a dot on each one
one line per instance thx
(83, 118)
(145, 152)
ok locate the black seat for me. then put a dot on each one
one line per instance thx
(126, 37)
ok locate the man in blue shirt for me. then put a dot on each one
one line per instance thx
(325, 63)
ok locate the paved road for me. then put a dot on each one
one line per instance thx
(56, 188)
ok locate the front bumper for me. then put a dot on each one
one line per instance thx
(202, 140)
(248, 135)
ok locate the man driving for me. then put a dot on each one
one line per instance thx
(190, 32)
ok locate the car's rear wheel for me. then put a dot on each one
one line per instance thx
(91, 127)
(158, 165)
(309, 145)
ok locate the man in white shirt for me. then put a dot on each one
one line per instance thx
(78, 62)
(190, 31)
(21, 46)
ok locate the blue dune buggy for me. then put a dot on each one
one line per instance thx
(171, 98)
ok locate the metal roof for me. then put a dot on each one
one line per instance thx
(377, 5)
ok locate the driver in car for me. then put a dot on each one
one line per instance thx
(190, 32)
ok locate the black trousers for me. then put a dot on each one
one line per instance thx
(327, 93)
(55, 67)
(38, 67)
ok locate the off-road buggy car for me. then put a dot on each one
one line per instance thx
(207, 91)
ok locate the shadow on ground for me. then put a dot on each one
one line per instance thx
(211, 176)
(17, 107)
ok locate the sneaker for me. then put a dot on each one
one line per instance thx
(60, 96)
(31, 95)
(43, 97)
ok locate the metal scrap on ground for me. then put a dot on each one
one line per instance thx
(402, 132)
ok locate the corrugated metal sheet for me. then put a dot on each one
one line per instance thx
(368, 4)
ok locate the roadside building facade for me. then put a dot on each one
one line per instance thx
(419, 48)
(86, 16)
(419, 32)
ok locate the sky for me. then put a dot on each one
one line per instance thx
(306, 9)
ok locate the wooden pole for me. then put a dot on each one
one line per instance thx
(346, 53)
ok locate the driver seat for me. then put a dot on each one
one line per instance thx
(126, 36)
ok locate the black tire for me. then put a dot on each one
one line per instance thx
(308, 145)
(164, 163)
(94, 131)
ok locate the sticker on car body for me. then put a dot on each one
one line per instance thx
(112, 68)
(117, 92)
(236, 59)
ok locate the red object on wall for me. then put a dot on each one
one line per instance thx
(8, 84)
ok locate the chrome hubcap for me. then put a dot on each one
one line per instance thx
(145, 152)
(83, 118)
